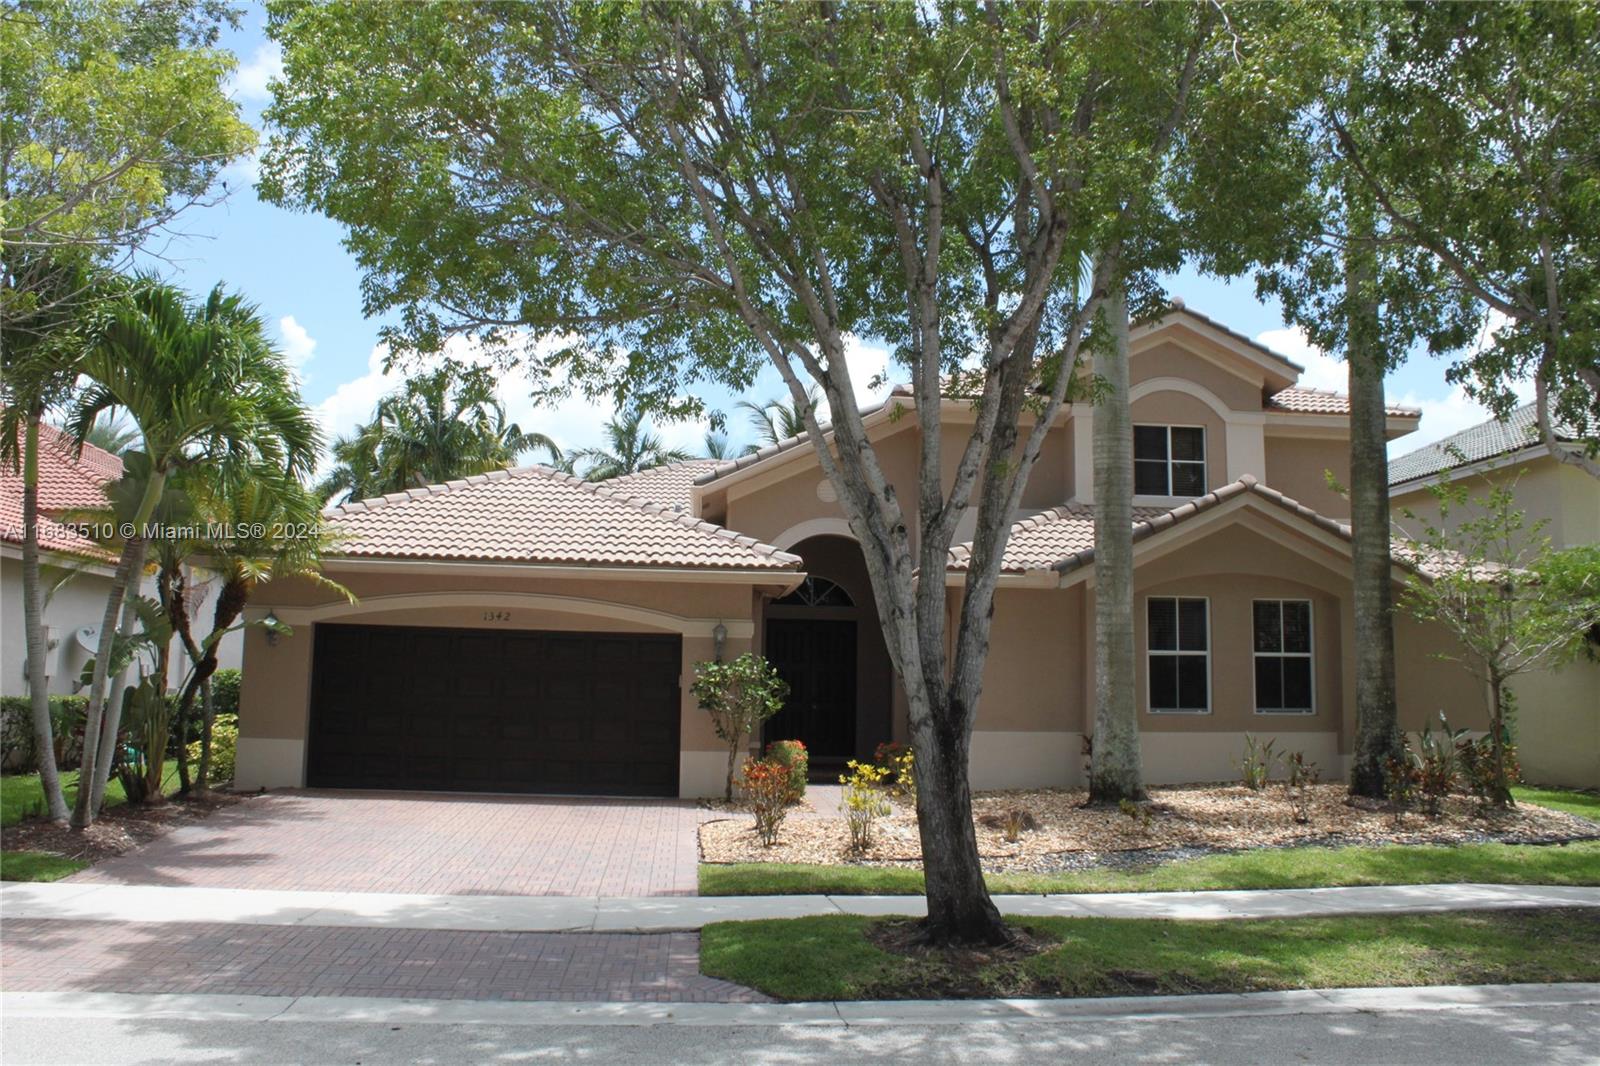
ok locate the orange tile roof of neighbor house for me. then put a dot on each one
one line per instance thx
(540, 516)
(69, 484)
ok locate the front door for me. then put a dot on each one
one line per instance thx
(817, 657)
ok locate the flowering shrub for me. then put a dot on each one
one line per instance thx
(864, 801)
(899, 760)
(765, 783)
(792, 755)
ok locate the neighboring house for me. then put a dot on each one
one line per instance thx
(524, 631)
(1558, 712)
(71, 490)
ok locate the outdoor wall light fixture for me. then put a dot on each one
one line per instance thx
(719, 637)
(271, 622)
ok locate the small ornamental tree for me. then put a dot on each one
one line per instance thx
(1512, 602)
(739, 696)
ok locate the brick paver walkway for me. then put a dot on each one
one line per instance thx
(224, 959)
(436, 844)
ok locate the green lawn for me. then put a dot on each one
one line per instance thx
(1506, 864)
(1582, 804)
(20, 794)
(37, 866)
(829, 957)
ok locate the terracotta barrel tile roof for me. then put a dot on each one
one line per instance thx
(1303, 401)
(68, 484)
(541, 516)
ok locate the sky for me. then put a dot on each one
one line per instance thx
(295, 267)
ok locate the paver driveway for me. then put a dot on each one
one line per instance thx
(427, 843)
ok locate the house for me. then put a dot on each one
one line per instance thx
(525, 631)
(71, 489)
(1558, 714)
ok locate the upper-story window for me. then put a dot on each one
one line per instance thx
(1169, 460)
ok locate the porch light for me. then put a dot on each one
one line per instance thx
(271, 622)
(719, 637)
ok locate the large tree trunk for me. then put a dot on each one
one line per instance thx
(959, 907)
(33, 627)
(1116, 767)
(1377, 718)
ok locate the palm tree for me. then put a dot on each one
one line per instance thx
(777, 419)
(438, 427)
(633, 448)
(112, 433)
(40, 357)
(272, 529)
(717, 446)
(203, 385)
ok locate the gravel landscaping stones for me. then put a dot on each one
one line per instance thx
(1185, 822)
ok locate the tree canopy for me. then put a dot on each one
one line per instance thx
(696, 190)
(113, 121)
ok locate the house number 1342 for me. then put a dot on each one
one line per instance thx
(497, 616)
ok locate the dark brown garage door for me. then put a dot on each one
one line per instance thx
(494, 711)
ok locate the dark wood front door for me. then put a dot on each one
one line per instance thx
(818, 660)
(475, 710)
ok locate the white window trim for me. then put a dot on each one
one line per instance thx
(1204, 461)
(1309, 656)
(1149, 706)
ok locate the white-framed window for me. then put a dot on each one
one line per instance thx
(1169, 460)
(1285, 674)
(1178, 655)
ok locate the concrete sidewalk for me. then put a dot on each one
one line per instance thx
(71, 1006)
(531, 914)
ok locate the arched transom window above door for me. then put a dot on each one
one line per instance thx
(817, 592)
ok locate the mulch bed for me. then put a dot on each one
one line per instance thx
(1186, 819)
(118, 830)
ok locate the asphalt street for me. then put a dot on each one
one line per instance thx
(1555, 1035)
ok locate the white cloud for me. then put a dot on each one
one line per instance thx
(1445, 412)
(1322, 371)
(249, 83)
(297, 345)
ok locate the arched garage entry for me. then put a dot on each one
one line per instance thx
(825, 640)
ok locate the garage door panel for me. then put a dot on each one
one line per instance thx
(486, 710)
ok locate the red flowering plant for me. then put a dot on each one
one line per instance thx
(765, 783)
(792, 755)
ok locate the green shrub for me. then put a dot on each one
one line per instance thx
(224, 748)
(16, 732)
(225, 692)
(793, 757)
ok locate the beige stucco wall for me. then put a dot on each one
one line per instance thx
(1562, 496)
(275, 696)
(79, 602)
(1038, 695)
(1168, 359)
(1298, 466)
(1558, 725)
